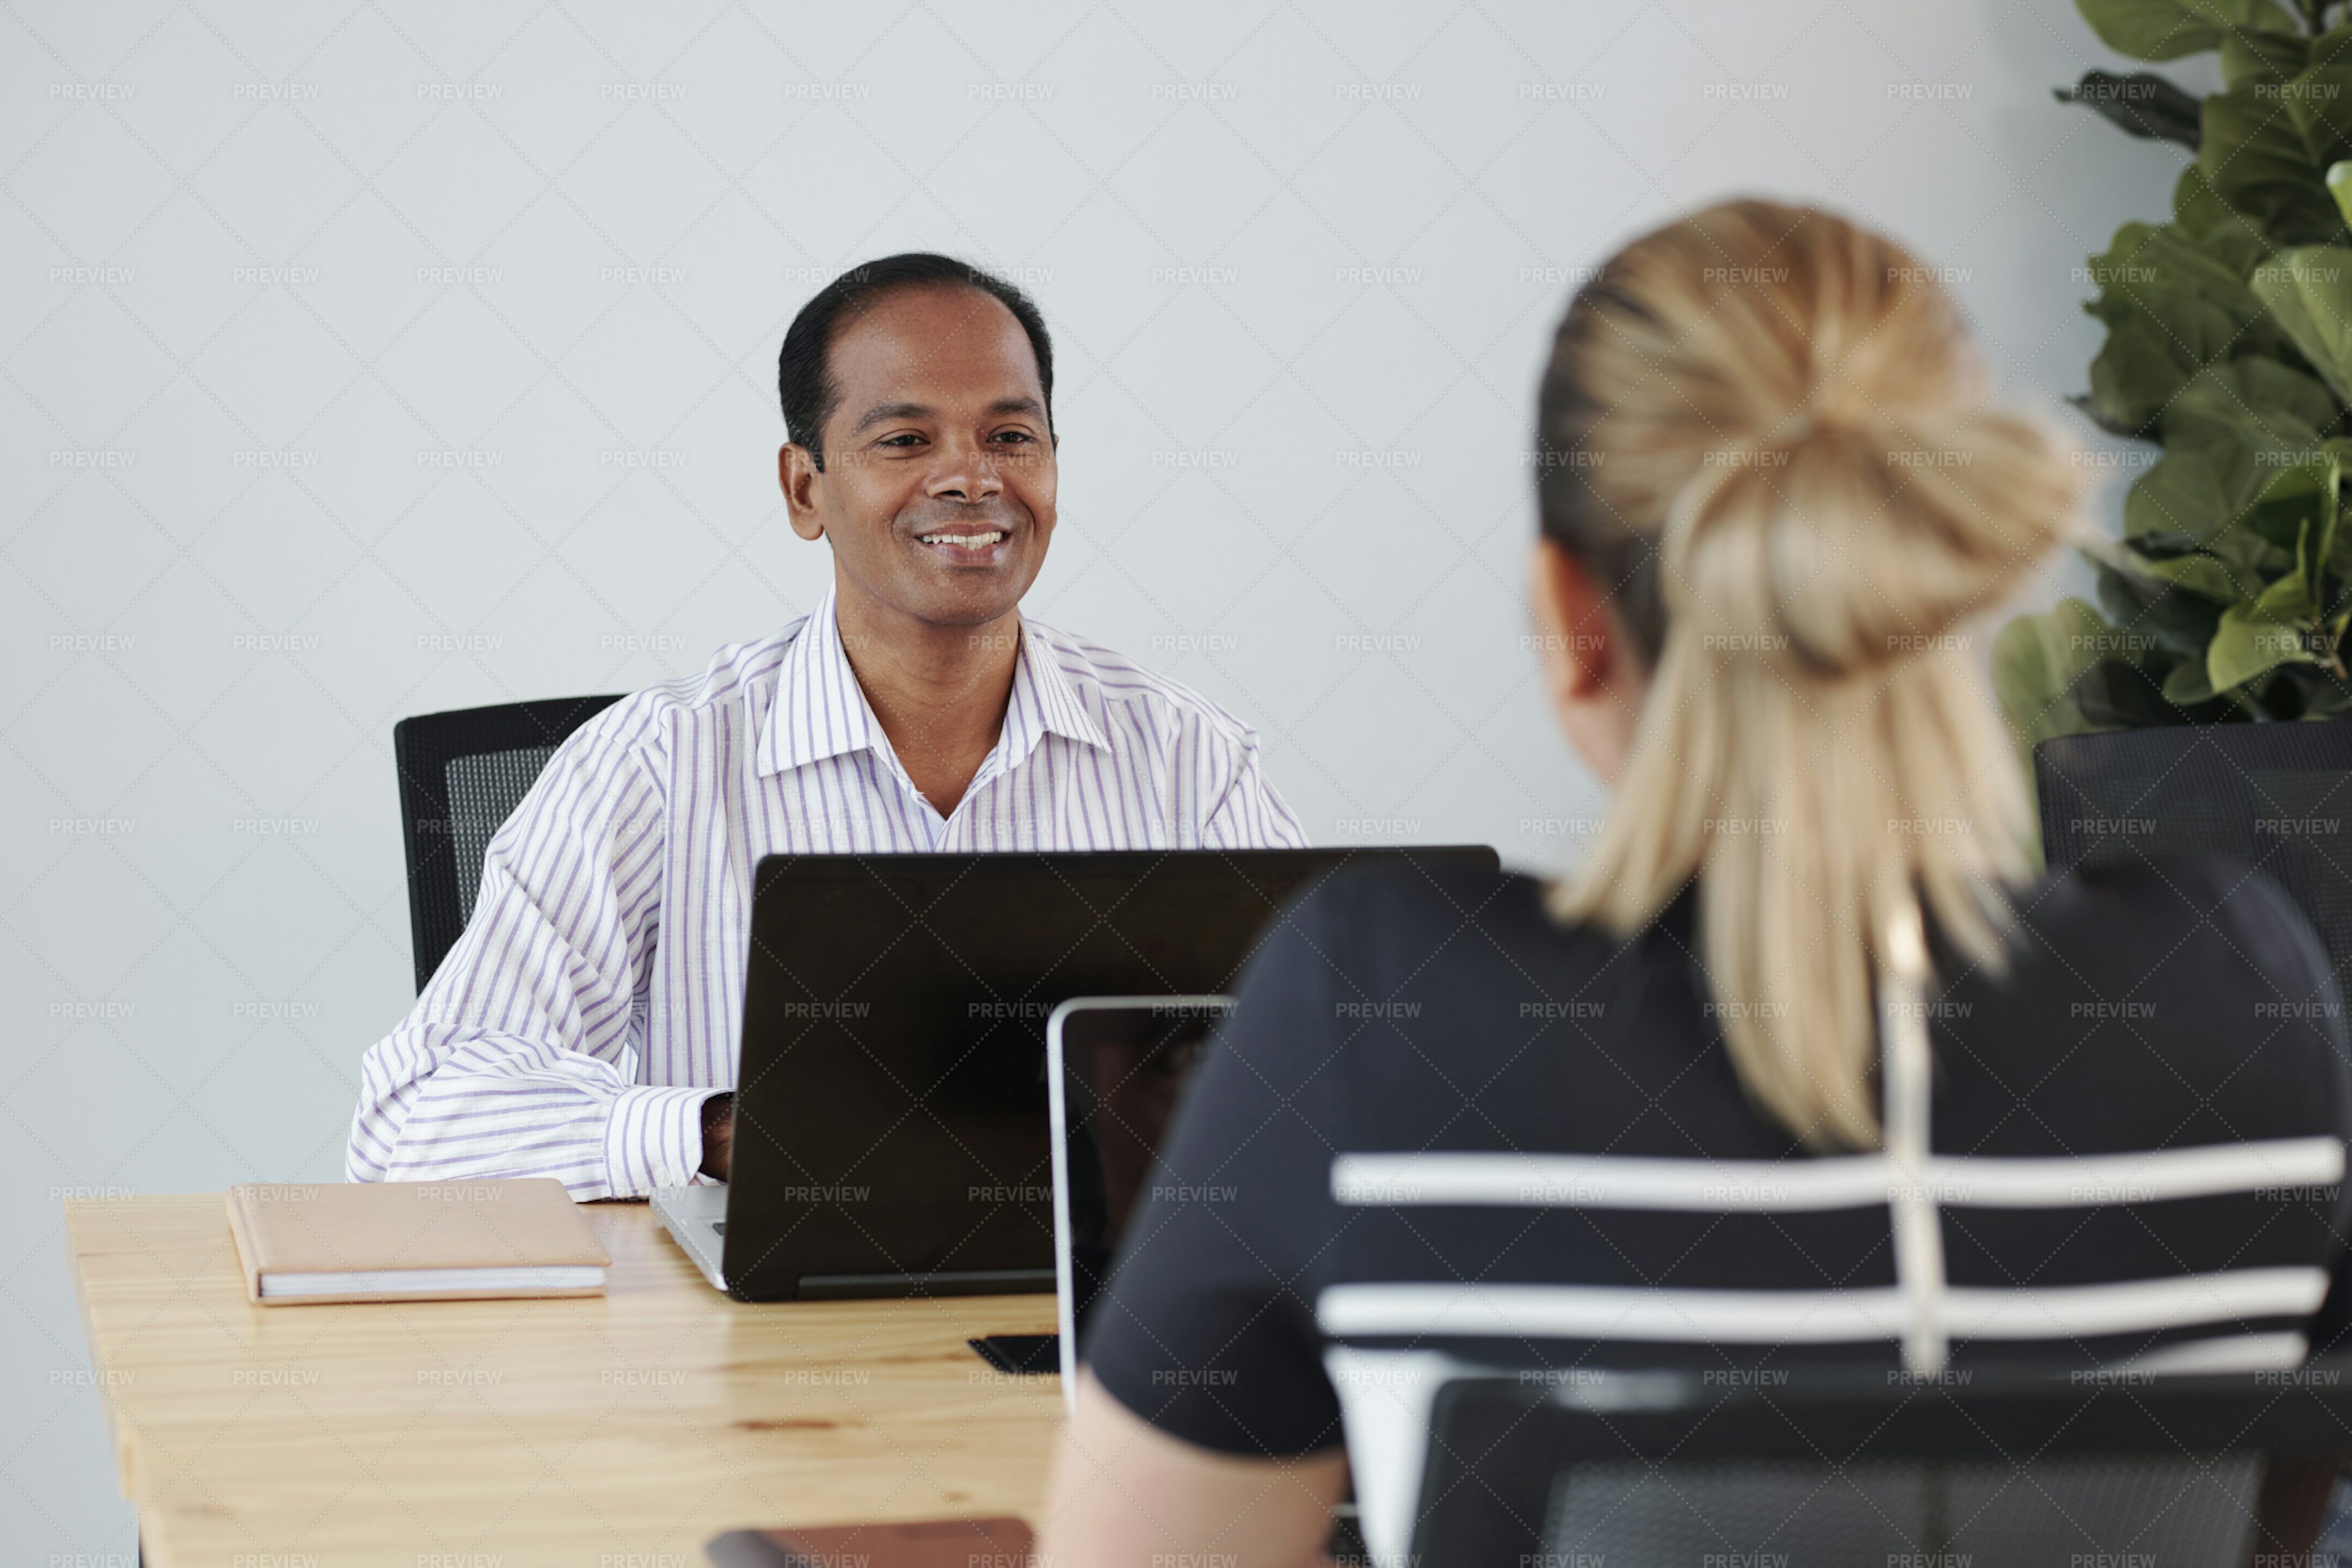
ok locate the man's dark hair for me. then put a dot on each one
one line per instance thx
(804, 384)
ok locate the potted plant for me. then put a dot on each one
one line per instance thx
(2230, 346)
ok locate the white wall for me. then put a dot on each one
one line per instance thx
(238, 236)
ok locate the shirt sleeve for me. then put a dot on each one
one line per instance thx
(1251, 815)
(516, 1059)
(1207, 1327)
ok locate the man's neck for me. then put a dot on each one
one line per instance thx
(940, 692)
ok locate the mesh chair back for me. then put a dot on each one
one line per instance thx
(2278, 796)
(461, 775)
(1843, 1468)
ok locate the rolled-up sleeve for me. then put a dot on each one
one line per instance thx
(517, 1059)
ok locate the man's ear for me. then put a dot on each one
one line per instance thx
(1572, 608)
(797, 473)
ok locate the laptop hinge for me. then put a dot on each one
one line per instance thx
(947, 1283)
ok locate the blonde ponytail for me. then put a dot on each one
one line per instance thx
(1764, 426)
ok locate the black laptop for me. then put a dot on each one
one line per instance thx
(891, 1121)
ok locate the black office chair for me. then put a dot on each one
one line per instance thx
(462, 773)
(2276, 796)
(1862, 1468)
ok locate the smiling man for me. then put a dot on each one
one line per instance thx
(585, 1026)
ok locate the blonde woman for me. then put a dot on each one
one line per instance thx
(1722, 1098)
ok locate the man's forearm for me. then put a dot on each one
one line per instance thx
(443, 1102)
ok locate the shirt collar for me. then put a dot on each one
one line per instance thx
(1043, 701)
(820, 711)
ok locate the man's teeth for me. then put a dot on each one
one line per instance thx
(968, 540)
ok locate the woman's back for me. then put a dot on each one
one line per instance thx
(1464, 1122)
(1443, 1130)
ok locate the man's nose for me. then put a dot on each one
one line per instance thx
(966, 471)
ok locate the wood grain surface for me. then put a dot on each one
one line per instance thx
(617, 1431)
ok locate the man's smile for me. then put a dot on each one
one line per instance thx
(968, 544)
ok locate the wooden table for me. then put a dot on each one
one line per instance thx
(617, 1432)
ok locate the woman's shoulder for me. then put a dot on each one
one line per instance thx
(1405, 887)
(1429, 917)
(2193, 982)
(2154, 924)
(2164, 919)
(1456, 974)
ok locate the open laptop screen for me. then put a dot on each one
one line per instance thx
(1118, 1064)
(891, 1133)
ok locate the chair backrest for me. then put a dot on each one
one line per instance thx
(2277, 795)
(1671, 1470)
(461, 775)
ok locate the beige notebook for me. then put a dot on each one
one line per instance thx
(411, 1241)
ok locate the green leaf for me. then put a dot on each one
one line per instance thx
(2187, 685)
(2256, 161)
(2309, 293)
(2339, 546)
(2213, 408)
(2248, 58)
(2185, 492)
(2036, 660)
(2249, 642)
(2148, 264)
(2167, 29)
(2299, 507)
(2197, 210)
(2280, 398)
(2218, 457)
(2200, 495)
(2315, 544)
(2144, 362)
(2148, 268)
(2174, 308)
(2209, 224)
(2319, 102)
(2180, 622)
(2203, 574)
(2340, 185)
(2289, 603)
(2294, 502)
(2142, 104)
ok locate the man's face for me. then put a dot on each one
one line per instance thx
(939, 481)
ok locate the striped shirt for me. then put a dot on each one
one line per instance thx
(597, 997)
(1440, 1134)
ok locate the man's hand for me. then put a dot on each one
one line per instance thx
(718, 1134)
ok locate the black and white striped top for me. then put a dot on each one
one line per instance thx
(1441, 1132)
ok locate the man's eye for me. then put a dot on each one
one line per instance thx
(1016, 435)
(904, 438)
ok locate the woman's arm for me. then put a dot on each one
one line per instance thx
(1124, 1492)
